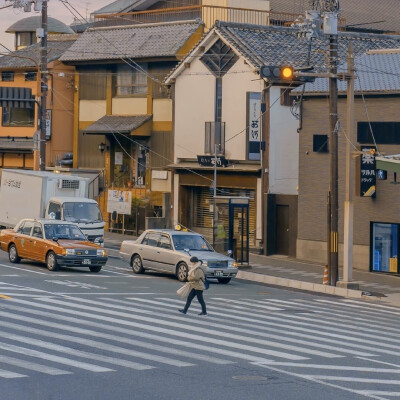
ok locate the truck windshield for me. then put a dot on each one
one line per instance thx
(63, 231)
(82, 212)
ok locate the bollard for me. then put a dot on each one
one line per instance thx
(325, 280)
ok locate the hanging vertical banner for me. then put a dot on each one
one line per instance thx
(254, 125)
(368, 172)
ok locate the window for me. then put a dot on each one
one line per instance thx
(37, 231)
(215, 135)
(25, 39)
(151, 239)
(7, 76)
(320, 143)
(385, 239)
(54, 211)
(30, 76)
(18, 116)
(92, 84)
(165, 243)
(26, 229)
(131, 81)
(383, 132)
(285, 97)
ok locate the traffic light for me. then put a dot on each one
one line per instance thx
(277, 73)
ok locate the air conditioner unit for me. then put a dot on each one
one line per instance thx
(68, 184)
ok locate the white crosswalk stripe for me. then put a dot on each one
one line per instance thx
(327, 341)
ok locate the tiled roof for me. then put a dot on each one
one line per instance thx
(56, 49)
(117, 124)
(375, 73)
(374, 14)
(14, 143)
(277, 45)
(30, 24)
(139, 41)
(271, 45)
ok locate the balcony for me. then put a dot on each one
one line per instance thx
(208, 14)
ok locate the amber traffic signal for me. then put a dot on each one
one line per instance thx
(277, 73)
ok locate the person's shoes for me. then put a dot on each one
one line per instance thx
(182, 311)
(203, 313)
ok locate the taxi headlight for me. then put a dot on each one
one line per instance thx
(101, 253)
(70, 252)
(232, 264)
(204, 263)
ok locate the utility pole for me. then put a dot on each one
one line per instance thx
(350, 176)
(215, 193)
(43, 99)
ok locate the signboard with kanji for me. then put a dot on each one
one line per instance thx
(209, 161)
(119, 201)
(254, 125)
(368, 171)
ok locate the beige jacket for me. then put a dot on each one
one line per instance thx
(196, 277)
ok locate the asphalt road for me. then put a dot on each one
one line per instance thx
(75, 335)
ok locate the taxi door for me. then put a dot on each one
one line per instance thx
(38, 244)
(165, 257)
(22, 239)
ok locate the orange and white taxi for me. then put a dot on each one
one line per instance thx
(56, 243)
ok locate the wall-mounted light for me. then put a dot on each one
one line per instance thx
(102, 147)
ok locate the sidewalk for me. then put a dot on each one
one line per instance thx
(287, 272)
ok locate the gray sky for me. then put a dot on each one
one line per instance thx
(56, 10)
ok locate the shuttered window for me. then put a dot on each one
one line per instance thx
(93, 84)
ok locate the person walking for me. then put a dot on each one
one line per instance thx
(196, 278)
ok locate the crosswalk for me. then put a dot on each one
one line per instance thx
(341, 343)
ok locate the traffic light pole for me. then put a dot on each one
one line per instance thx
(333, 241)
(43, 98)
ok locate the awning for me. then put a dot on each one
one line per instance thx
(388, 163)
(138, 125)
(251, 168)
(16, 145)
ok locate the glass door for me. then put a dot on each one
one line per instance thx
(385, 238)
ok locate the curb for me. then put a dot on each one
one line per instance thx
(308, 286)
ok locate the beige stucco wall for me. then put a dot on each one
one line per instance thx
(235, 84)
(91, 110)
(161, 185)
(162, 110)
(194, 104)
(129, 106)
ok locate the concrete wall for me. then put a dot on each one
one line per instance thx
(284, 145)
(91, 110)
(314, 177)
(162, 110)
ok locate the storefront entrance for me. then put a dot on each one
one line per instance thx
(385, 247)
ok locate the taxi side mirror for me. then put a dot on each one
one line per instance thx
(230, 252)
(55, 239)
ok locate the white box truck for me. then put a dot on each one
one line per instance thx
(42, 194)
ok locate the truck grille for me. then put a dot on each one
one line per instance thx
(218, 264)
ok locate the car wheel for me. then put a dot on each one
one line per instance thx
(137, 265)
(182, 272)
(13, 254)
(224, 280)
(95, 268)
(51, 261)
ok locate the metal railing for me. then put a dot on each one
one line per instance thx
(209, 14)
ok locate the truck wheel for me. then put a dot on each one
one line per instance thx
(95, 268)
(182, 272)
(224, 280)
(13, 254)
(137, 265)
(51, 261)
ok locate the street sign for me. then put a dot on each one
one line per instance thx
(208, 161)
(368, 172)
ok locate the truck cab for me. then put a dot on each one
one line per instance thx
(83, 212)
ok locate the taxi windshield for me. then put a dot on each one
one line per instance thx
(63, 231)
(190, 242)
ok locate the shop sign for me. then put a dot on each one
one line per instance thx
(254, 125)
(209, 161)
(368, 172)
(48, 124)
(119, 201)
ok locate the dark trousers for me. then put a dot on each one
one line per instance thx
(192, 294)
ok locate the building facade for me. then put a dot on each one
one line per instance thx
(123, 112)
(376, 126)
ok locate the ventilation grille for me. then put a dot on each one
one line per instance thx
(68, 184)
